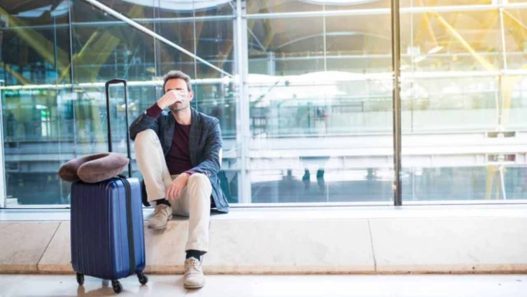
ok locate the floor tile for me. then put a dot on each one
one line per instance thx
(22, 244)
(276, 285)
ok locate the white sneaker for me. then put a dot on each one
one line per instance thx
(160, 218)
(194, 278)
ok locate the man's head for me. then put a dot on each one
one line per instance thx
(180, 83)
(176, 74)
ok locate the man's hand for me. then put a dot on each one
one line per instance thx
(173, 192)
(168, 99)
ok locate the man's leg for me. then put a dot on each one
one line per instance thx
(195, 203)
(152, 164)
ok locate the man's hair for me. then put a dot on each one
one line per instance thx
(176, 74)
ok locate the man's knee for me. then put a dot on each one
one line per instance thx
(146, 135)
(199, 179)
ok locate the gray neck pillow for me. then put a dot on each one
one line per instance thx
(93, 168)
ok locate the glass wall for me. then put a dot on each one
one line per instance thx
(320, 102)
(303, 91)
(463, 100)
(56, 56)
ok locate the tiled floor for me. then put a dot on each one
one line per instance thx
(283, 286)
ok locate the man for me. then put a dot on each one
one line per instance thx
(178, 152)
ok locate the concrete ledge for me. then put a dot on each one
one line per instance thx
(22, 245)
(412, 239)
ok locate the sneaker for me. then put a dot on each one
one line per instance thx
(160, 218)
(194, 278)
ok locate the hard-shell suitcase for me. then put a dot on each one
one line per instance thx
(107, 235)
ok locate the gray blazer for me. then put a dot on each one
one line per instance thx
(204, 145)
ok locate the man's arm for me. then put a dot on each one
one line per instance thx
(143, 122)
(149, 119)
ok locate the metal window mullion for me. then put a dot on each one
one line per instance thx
(503, 42)
(3, 177)
(194, 44)
(72, 83)
(396, 62)
(157, 49)
(499, 94)
(324, 39)
(243, 135)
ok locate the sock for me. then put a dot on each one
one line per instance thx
(162, 201)
(195, 254)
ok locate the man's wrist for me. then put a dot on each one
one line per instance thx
(160, 105)
(154, 110)
(184, 173)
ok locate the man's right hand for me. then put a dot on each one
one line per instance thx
(173, 192)
(168, 99)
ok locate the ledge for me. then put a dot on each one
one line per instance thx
(410, 239)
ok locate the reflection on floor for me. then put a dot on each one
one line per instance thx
(275, 285)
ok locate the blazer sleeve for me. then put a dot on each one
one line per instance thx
(144, 122)
(211, 162)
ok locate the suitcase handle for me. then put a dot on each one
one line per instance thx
(130, 222)
(107, 90)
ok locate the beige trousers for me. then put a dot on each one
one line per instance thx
(194, 201)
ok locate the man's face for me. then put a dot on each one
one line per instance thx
(184, 96)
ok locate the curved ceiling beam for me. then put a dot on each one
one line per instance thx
(488, 66)
(37, 42)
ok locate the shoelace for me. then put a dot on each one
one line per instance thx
(158, 210)
(192, 266)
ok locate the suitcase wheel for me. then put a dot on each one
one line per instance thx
(142, 278)
(116, 285)
(80, 279)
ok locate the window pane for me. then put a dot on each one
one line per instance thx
(35, 43)
(320, 109)
(215, 44)
(284, 46)
(104, 48)
(462, 114)
(515, 22)
(192, 8)
(35, 50)
(452, 41)
(449, 105)
(209, 39)
(464, 183)
(272, 6)
(443, 3)
(35, 136)
(278, 6)
(170, 58)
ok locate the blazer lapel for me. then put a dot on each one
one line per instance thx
(193, 138)
(169, 133)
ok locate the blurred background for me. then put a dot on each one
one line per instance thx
(302, 89)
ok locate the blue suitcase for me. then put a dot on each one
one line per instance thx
(107, 239)
(107, 234)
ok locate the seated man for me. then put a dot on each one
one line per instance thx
(179, 154)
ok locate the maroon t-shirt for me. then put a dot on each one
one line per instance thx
(178, 157)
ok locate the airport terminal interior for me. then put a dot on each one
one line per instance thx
(364, 106)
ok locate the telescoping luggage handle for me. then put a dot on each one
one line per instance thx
(129, 215)
(107, 89)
